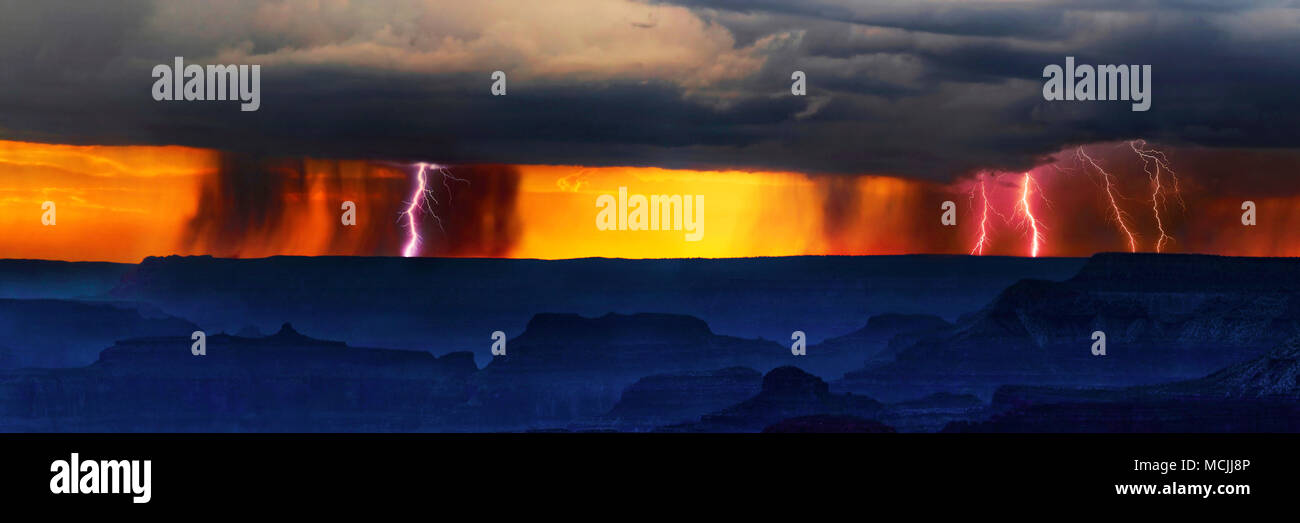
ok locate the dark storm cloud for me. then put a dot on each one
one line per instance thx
(924, 89)
(950, 17)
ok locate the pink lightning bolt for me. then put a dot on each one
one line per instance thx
(978, 250)
(1153, 163)
(417, 197)
(1035, 236)
(422, 198)
(1108, 182)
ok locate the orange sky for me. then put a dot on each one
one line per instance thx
(111, 203)
(746, 213)
(120, 203)
(125, 203)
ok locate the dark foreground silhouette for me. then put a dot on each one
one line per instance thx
(1194, 344)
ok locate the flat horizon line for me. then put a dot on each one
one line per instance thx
(792, 256)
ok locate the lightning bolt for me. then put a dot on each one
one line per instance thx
(1153, 163)
(417, 200)
(1108, 182)
(1164, 183)
(1036, 236)
(978, 249)
(423, 199)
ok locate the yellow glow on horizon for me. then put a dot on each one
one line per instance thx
(112, 203)
(123, 203)
(745, 213)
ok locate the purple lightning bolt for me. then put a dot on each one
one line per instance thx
(417, 197)
(422, 198)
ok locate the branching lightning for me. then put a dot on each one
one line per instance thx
(1108, 184)
(1164, 183)
(978, 249)
(423, 199)
(1154, 163)
(987, 208)
(1035, 236)
(413, 231)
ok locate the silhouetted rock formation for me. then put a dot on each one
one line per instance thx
(1162, 323)
(788, 392)
(50, 279)
(1147, 272)
(1274, 375)
(283, 382)
(565, 367)
(871, 343)
(1187, 339)
(664, 399)
(1253, 396)
(411, 303)
(61, 333)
